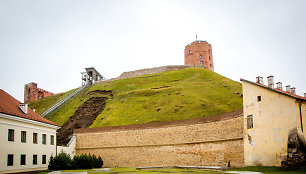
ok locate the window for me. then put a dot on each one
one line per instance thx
(44, 139)
(250, 122)
(208, 50)
(23, 136)
(10, 160)
(11, 135)
(200, 56)
(44, 157)
(23, 160)
(52, 139)
(34, 159)
(201, 62)
(259, 98)
(209, 57)
(34, 138)
(189, 51)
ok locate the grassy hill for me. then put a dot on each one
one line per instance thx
(173, 95)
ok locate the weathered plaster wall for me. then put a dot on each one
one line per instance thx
(274, 117)
(208, 143)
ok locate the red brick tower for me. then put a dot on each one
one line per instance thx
(199, 53)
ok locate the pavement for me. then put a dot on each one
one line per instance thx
(109, 170)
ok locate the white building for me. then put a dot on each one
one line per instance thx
(27, 140)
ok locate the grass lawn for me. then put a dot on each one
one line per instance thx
(167, 96)
(273, 170)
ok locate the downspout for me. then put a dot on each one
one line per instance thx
(301, 119)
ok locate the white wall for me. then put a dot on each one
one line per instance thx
(29, 149)
(70, 149)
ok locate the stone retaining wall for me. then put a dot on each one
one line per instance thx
(214, 143)
(146, 71)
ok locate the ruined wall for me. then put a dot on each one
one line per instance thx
(199, 53)
(212, 142)
(146, 71)
(32, 93)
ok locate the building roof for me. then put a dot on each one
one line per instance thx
(276, 90)
(9, 105)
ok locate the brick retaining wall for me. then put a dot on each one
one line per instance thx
(212, 143)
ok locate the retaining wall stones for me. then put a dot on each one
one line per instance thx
(216, 142)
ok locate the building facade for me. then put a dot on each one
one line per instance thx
(27, 139)
(199, 53)
(273, 120)
(32, 93)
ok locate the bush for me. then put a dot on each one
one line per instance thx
(62, 161)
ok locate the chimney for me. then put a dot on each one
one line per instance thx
(288, 88)
(259, 80)
(24, 107)
(292, 90)
(270, 81)
(279, 85)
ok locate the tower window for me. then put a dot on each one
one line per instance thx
(259, 98)
(208, 50)
(201, 62)
(200, 56)
(209, 58)
(250, 121)
(189, 51)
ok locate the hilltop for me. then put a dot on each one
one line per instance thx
(167, 96)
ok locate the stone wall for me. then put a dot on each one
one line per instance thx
(205, 141)
(147, 71)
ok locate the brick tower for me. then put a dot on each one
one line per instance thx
(199, 53)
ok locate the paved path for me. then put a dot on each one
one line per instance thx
(114, 172)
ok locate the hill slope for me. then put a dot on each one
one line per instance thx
(173, 95)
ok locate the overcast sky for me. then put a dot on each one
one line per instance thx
(51, 41)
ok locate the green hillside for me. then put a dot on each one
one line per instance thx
(43, 104)
(173, 95)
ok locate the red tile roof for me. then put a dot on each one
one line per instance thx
(9, 105)
(276, 90)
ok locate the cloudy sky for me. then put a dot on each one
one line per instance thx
(50, 42)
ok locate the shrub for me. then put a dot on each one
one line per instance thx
(62, 161)
(98, 163)
(83, 162)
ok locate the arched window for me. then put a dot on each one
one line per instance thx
(200, 56)
(201, 62)
(189, 51)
